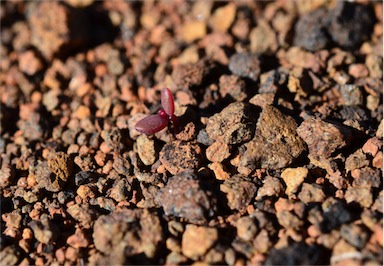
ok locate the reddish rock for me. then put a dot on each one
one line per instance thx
(239, 191)
(197, 240)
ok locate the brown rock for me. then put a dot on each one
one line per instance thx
(146, 149)
(192, 30)
(78, 240)
(276, 136)
(44, 230)
(263, 99)
(183, 196)
(218, 152)
(83, 214)
(219, 171)
(178, 156)
(50, 30)
(378, 160)
(239, 191)
(293, 178)
(246, 228)
(311, 193)
(29, 63)
(263, 38)
(125, 233)
(233, 86)
(272, 187)
(372, 146)
(363, 196)
(233, 125)
(366, 177)
(289, 220)
(197, 240)
(356, 160)
(185, 76)
(223, 17)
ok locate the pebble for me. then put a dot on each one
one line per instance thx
(362, 196)
(276, 136)
(146, 149)
(293, 178)
(245, 65)
(193, 30)
(184, 196)
(233, 125)
(311, 193)
(239, 191)
(246, 228)
(197, 240)
(272, 187)
(218, 151)
(222, 18)
(219, 171)
(178, 156)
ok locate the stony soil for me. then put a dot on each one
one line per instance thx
(280, 155)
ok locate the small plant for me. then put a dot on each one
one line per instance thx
(154, 123)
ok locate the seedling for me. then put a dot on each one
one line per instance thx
(154, 123)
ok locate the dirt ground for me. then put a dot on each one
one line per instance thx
(278, 161)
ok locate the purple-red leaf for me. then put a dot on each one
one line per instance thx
(167, 101)
(151, 124)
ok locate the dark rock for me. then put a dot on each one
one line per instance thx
(298, 254)
(351, 24)
(334, 216)
(310, 30)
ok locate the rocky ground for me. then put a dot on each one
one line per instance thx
(280, 155)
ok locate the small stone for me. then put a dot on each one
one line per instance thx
(197, 240)
(378, 160)
(262, 99)
(146, 149)
(218, 152)
(293, 178)
(245, 65)
(44, 230)
(85, 192)
(232, 86)
(358, 71)
(184, 196)
(366, 177)
(233, 125)
(272, 187)
(178, 156)
(351, 94)
(311, 193)
(193, 30)
(29, 63)
(363, 196)
(356, 160)
(289, 220)
(372, 146)
(82, 112)
(78, 239)
(263, 38)
(83, 214)
(219, 171)
(276, 136)
(246, 228)
(223, 17)
(335, 215)
(354, 235)
(239, 191)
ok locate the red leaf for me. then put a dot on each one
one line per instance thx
(151, 124)
(167, 101)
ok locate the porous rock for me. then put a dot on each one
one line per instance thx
(276, 137)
